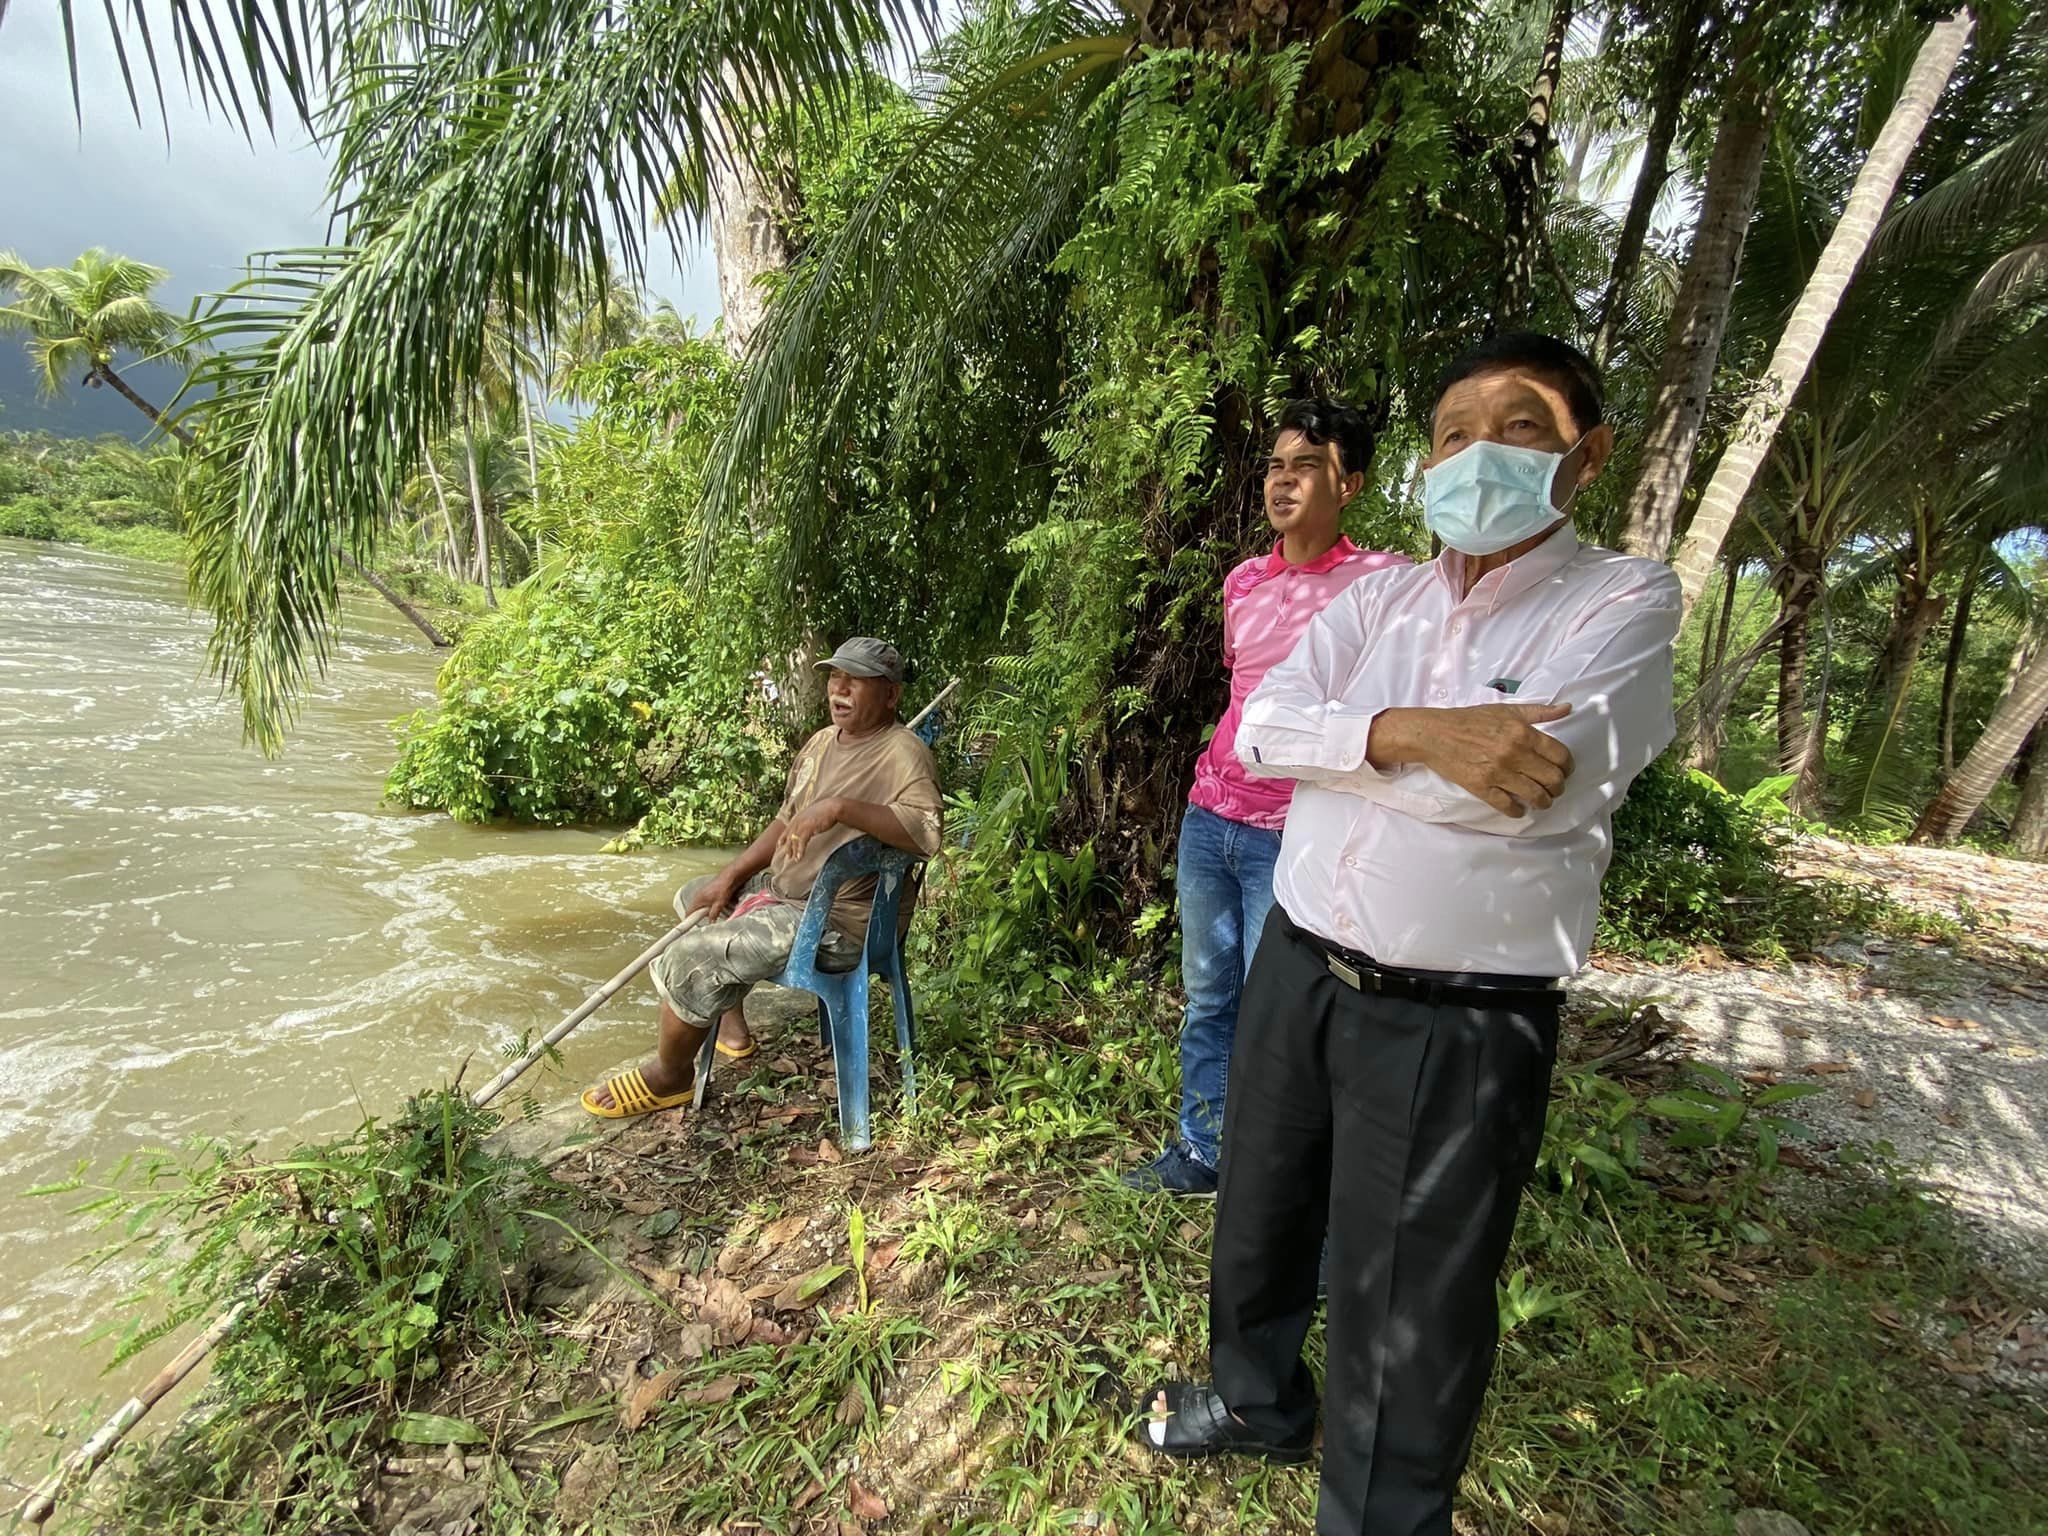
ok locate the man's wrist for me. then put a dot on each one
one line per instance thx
(1397, 737)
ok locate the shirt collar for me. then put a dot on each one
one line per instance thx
(1497, 586)
(1329, 559)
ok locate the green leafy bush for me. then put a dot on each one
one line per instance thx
(1694, 864)
(28, 517)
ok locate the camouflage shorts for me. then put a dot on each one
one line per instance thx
(713, 966)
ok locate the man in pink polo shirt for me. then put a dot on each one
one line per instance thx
(1230, 836)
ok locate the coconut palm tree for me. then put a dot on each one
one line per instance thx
(79, 319)
(1846, 247)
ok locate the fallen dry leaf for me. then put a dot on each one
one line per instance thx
(694, 1343)
(1951, 1021)
(726, 1311)
(1714, 1288)
(641, 1398)
(1795, 1032)
(1864, 1098)
(1076, 1233)
(805, 1499)
(852, 1408)
(827, 1153)
(711, 1393)
(733, 1258)
(883, 1256)
(767, 1331)
(1823, 1068)
(1887, 1314)
(803, 1157)
(785, 1066)
(1949, 1117)
(865, 1505)
(776, 1233)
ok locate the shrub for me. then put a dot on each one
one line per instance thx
(1694, 864)
(28, 517)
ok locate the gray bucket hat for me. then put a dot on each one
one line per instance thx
(865, 656)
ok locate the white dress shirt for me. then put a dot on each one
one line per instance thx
(1406, 866)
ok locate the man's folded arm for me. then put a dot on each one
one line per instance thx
(1615, 673)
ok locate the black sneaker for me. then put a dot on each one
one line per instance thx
(1177, 1171)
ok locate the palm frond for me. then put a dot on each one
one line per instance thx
(987, 177)
(516, 188)
(2010, 176)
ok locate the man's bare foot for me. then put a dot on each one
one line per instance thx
(661, 1082)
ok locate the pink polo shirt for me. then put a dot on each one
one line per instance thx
(1267, 606)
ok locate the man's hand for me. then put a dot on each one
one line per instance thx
(713, 897)
(1491, 751)
(820, 816)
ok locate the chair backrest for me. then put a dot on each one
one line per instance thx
(892, 869)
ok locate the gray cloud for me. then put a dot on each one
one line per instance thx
(196, 205)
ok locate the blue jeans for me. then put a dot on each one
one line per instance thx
(1226, 890)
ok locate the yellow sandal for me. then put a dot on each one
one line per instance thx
(631, 1098)
(753, 1047)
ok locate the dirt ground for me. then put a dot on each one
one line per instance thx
(1939, 1054)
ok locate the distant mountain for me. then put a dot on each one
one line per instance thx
(81, 412)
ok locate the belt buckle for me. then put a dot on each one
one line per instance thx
(1348, 974)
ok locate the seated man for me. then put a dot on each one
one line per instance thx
(863, 775)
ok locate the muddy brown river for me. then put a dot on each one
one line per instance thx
(196, 940)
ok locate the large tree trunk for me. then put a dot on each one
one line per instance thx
(1952, 664)
(1789, 363)
(750, 220)
(532, 453)
(1874, 737)
(476, 510)
(1799, 582)
(2029, 832)
(1966, 790)
(1699, 317)
(1667, 103)
(377, 584)
(1522, 181)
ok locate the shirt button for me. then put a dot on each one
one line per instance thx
(1349, 859)
(1439, 694)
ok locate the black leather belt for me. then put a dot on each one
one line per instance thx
(1461, 989)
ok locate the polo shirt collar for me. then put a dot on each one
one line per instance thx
(1329, 559)
(1518, 575)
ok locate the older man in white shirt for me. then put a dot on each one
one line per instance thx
(1462, 731)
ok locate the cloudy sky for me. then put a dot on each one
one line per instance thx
(196, 204)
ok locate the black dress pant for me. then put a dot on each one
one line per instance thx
(1405, 1129)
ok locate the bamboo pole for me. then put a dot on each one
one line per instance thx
(42, 1503)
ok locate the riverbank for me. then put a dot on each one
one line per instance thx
(743, 1329)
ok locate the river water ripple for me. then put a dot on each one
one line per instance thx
(196, 940)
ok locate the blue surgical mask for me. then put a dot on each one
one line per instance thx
(1488, 496)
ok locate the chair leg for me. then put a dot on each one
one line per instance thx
(707, 1053)
(847, 1017)
(906, 1035)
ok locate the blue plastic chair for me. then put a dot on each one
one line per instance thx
(843, 995)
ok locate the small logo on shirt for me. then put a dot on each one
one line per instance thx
(1505, 684)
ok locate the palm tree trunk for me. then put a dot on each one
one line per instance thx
(1667, 103)
(476, 509)
(1967, 788)
(1522, 180)
(532, 456)
(1868, 199)
(1874, 736)
(377, 584)
(1699, 317)
(2029, 831)
(390, 595)
(434, 479)
(750, 221)
(105, 373)
(1716, 694)
(1952, 665)
(1799, 588)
